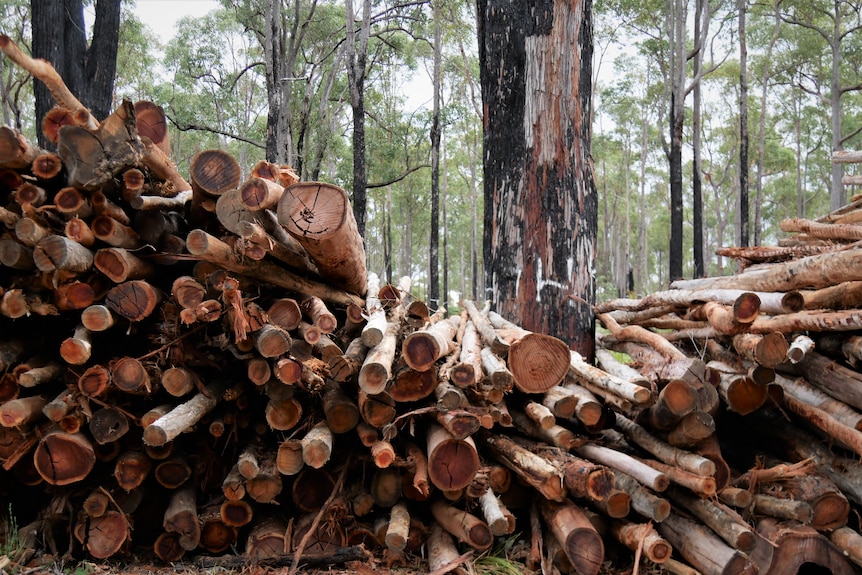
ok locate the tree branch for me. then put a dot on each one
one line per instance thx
(200, 128)
(398, 178)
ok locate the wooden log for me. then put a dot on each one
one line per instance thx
(800, 389)
(45, 72)
(107, 425)
(104, 536)
(644, 474)
(71, 203)
(120, 265)
(319, 215)
(16, 255)
(838, 381)
(768, 350)
(259, 193)
(736, 497)
(538, 362)
(407, 384)
(849, 542)
(134, 300)
(663, 451)
(703, 486)
(60, 406)
(723, 521)
(317, 445)
(344, 367)
(792, 547)
(172, 472)
(703, 549)
(377, 367)
(22, 411)
(315, 309)
(452, 462)
(267, 538)
(462, 525)
(266, 485)
(212, 249)
(41, 374)
(183, 416)
(398, 529)
(535, 470)
(131, 469)
(443, 556)
(15, 151)
(272, 341)
(213, 172)
(64, 458)
(577, 536)
(60, 253)
(642, 536)
(637, 394)
(181, 518)
(421, 349)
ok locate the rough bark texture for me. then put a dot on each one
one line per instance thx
(536, 86)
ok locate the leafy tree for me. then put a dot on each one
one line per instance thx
(837, 24)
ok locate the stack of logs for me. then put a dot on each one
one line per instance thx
(205, 366)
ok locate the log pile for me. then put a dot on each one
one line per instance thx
(202, 367)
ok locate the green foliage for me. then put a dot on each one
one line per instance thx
(10, 545)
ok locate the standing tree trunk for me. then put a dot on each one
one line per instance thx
(540, 197)
(677, 119)
(696, 182)
(60, 37)
(743, 127)
(357, 54)
(434, 253)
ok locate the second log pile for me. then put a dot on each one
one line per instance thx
(188, 366)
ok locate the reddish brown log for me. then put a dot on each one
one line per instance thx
(214, 172)
(129, 374)
(452, 462)
(315, 309)
(341, 411)
(462, 525)
(172, 473)
(15, 151)
(577, 536)
(64, 458)
(319, 215)
(791, 548)
(131, 469)
(535, 470)
(134, 300)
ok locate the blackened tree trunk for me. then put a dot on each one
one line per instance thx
(434, 244)
(540, 196)
(357, 56)
(60, 37)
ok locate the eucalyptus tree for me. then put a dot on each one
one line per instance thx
(540, 197)
(60, 36)
(16, 98)
(215, 96)
(838, 25)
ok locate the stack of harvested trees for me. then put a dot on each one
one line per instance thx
(203, 366)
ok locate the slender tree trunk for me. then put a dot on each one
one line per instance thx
(836, 194)
(761, 133)
(357, 55)
(677, 119)
(696, 182)
(434, 253)
(743, 127)
(535, 65)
